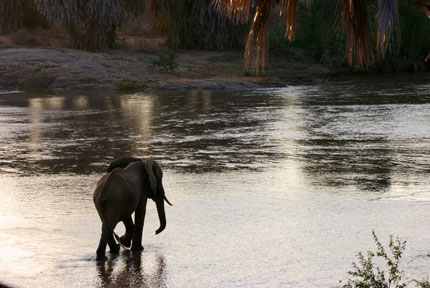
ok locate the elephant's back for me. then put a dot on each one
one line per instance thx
(112, 187)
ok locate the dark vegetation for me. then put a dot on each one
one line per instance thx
(311, 27)
(381, 268)
(317, 35)
(366, 273)
(194, 24)
(166, 60)
(93, 24)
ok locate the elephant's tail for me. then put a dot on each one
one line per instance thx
(118, 240)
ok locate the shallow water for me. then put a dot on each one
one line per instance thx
(271, 188)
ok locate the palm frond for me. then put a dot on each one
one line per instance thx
(204, 28)
(288, 11)
(257, 45)
(60, 11)
(15, 14)
(102, 19)
(353, 20)
(388, 22)
(237, 10)
(195, 24)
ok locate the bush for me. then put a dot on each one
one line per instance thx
(166, 60)
(367, 274)
(423, 284)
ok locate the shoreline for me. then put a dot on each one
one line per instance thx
(26, 68)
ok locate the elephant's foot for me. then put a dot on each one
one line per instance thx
(101, 257)
(137, 247)
(125, 241)
(114, 248)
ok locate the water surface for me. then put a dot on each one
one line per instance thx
(271, 188)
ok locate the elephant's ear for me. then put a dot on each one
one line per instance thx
(149, 164)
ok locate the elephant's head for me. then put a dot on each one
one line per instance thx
(157, 194)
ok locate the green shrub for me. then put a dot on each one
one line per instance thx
(367, 274)
(128, 85)
(423, 284)
(166, 60)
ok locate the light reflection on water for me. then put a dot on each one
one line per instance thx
(274, 188)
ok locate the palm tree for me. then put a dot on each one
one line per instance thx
(15, 14)
(98, 18)
(194, 24)
(91, 23)
(353, 19)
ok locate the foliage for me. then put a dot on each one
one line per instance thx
(127, 85)
(203, 28)
(355, 20)
(11, 14)
(367, 274)
(195, 24)
(98, 18)
(316, 34)
(15, 14)
(423, 284)
(415, 40)
(202, 24)
(91, 23)
(166, 60)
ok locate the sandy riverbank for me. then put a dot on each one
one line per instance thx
(23, 67)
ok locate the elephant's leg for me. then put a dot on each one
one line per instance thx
(129, 229)
(139, 219)
(104, 239)
(113, 246)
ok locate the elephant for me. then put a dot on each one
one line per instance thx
(123, 190)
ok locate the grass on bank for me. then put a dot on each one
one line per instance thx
(128, 85)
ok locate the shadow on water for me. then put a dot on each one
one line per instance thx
(357, 130)
(127, 270)
(343, 157)
(339, 149)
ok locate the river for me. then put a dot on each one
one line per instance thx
(271, 188)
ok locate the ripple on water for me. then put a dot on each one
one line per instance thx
(4, 92)
(268, 186)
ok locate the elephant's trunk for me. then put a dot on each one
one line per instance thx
(165, 199)
(161, 215)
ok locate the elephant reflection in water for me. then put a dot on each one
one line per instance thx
(131, 273)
